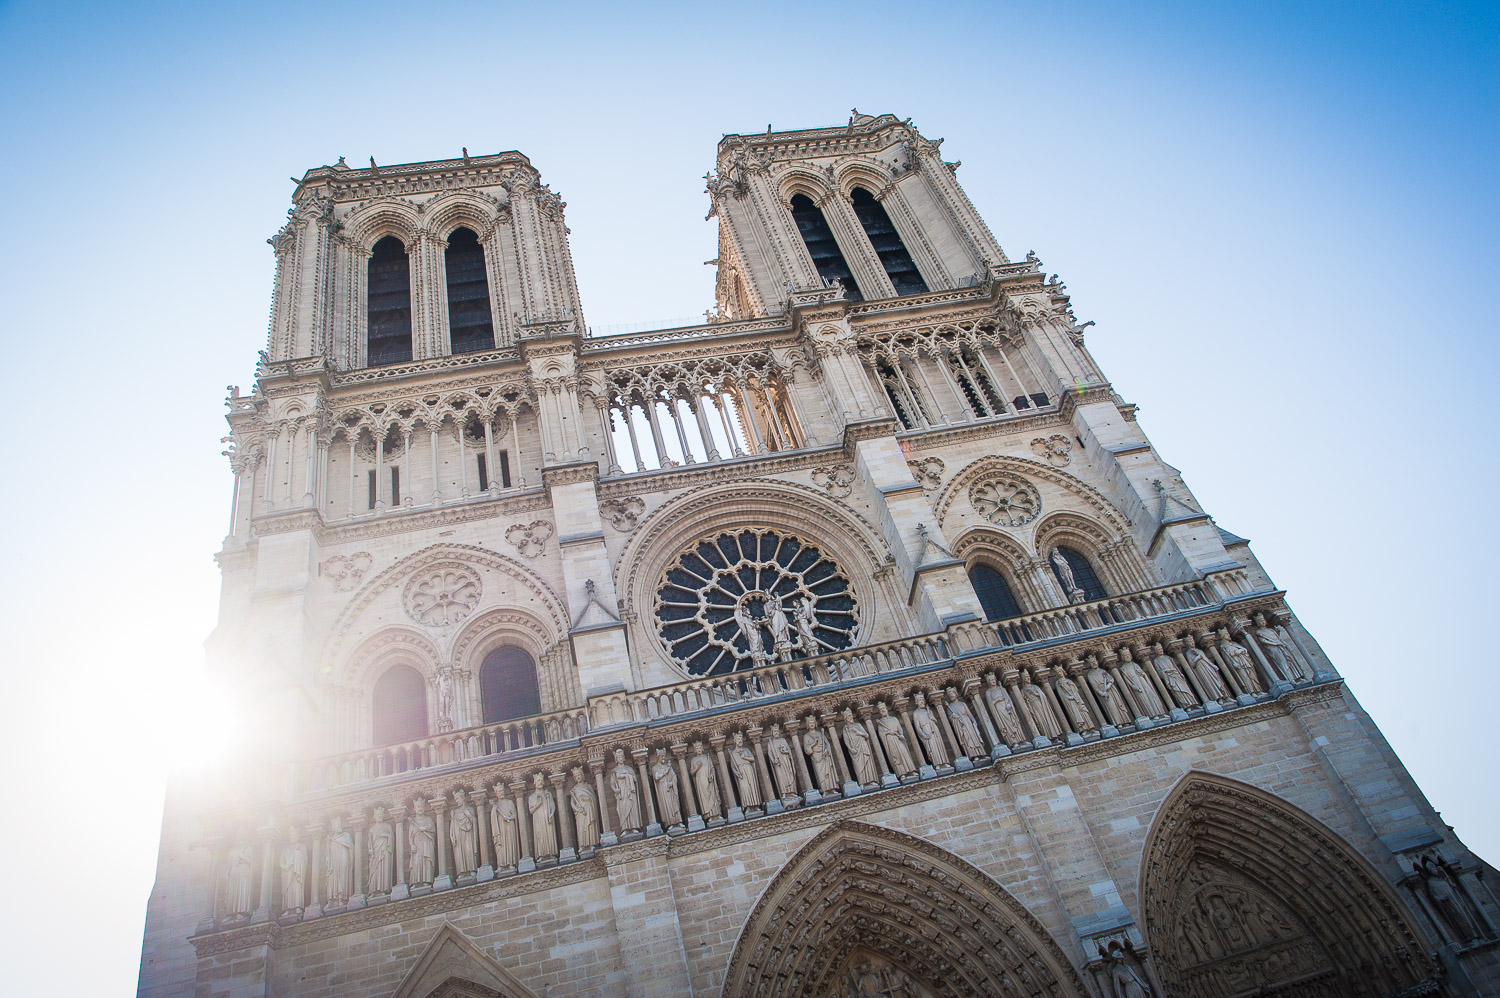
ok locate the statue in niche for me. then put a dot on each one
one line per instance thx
(1209, 679)
(626, 789)
(781, 629)
(505, 833)
(867, 983)
(1279, 652)
(742, 765)
(925, 724)
(421, 841)
(965, 726)
(893, 740)
(815, 743)
(1441, 885)
(665, 779)
(1172, 677)
(380, 844)
(1034, 698)
(240, 863)
(293, 864)
(1140, 685)
(1004, 710)
(585, 813)
(1125, 979)
(1065, 576)
(1237, 657)
(750, 628)
(340, 876)
(445, 695)
(1074, 704)
(705, 783)
(779, 758)
(861, 754)
(543, 810)
(463, 834)
(805, 621)
(1108, 693)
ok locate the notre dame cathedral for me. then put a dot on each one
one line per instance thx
(853, 642)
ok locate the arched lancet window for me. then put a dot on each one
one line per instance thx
(887, 244)
(507, 685)
(822, 247)
(389, 313)
(1084, 576)
(400, 706)
(470, 326)
(994, 593)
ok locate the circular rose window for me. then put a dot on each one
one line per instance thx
(751, 598)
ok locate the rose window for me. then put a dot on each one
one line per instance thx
(1006, 502)
(751, 598)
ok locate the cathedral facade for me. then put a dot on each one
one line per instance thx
(854, 642)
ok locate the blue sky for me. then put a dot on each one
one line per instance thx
(1281, 217)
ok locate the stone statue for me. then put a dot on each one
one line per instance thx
(445, 695)
(781, 631)
(463, 833)
(505, 834)
(705, 783)
(779, 758)
(1279, 652)
(626, 789)
(925, 724)
(815, 743)
(665, 779)
(1073, 703)
(1034, 699)
(340, 875)
(1173, 679)
(965, 726)
(1140, 685)
(585, 810)
(1124, 978)
(421, 844)
(240, 864)
(293, 864)
(1209, 679)
(861, 754)
(1107, 691)
(742, 765)
(1065, 576)
(1440, 884)
(1237, 657)
(1003, 709)
(380, 847)
(750, 628)
(893, 740)
(806, 621)
(543, 810)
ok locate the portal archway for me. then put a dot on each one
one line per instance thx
(1242, 893)
(859, 894)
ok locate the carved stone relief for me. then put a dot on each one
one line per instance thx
(1006, 500)
(928, 472)
(1056, 450)
(623, 514)
(837, 480)
(444, 596)
(346, 571)
(530, 538)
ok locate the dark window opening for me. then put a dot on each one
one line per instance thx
(1041, 399)
(994, 593)
(470, 326)
(484, 477)
(505, 469)
(822, 247)
(372, 490)
(886, 241)
(1084, 576)
(389, 336)
(1021, 402)
(507, 685)
(400, 706)
(395, 486)
(893, 392)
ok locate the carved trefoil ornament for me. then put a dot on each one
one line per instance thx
(837, 480)
(1056, 450)
(442, 596)
(529, 538)
(928, 472)
(345, 572)
(623, 514)
(1006, 500)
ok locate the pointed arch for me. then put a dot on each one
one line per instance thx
(453, 966)
(1242, 890)
(858, 887)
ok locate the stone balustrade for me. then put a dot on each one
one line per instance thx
(1068, 621)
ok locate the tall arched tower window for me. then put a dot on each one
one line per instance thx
(822, 247)
(1085, 579)
(470, 326)
(887, 244)
(400, 706)
(507, 685)
(389, 313)
(994, 593)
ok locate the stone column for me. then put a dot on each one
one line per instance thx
(568, 847)
(888, 778)
(209, 920)
(606, 423)
(1244, 634)
(1077, 670)
(444, 878)
(773, 803)
(437, 485)
(1011, 680)
(973, 690)
(836, 741)
(938, 703)
(902, 706)
(710, 447)
(607, 836)
(1144, 654)
(316, 847)
(480, 798)
(491, 468)
(686, 791)
(1174, 648)
(728, 790)
(357, 824)
(641, 755)
(810, 793)
(523, 827)
(267, 872)
(399, 887)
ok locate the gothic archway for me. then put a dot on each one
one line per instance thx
(1242, 893)
(857, 893)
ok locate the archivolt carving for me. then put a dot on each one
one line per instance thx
(493, 628)
(860, 887)
(1242, 891)
(998, 465)
(391, 646)
(381, 217)
(475, 209)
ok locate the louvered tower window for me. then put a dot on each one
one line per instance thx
(994, 593)
(470, 327)
(1084, 576)
(389, 337)
(507, 685)
(898, 263)
(822, 247)
(400, 706)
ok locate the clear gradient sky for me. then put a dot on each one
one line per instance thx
(1281, 216)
